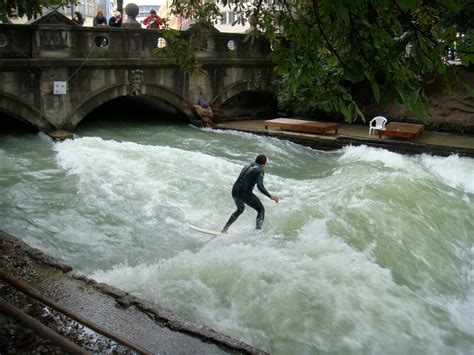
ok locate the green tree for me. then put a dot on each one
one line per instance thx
(29, 8)
(324, 51)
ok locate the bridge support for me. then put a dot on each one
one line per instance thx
(54, 73)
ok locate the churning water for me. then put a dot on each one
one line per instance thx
(368, 251)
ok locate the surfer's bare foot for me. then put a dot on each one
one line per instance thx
(224, 231)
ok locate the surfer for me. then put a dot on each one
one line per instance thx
(242, 191)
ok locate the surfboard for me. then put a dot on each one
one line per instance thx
(205, 231)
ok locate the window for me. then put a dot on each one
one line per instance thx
(231, 45)
(231, 17)
(223, 18)
(90, 11)
(161, 42)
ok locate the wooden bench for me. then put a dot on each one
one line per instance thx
(295, 125)
(402, 130)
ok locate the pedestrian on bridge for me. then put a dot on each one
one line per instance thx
(77, 18)
(116, 20)
(153, 21)
(99, 19)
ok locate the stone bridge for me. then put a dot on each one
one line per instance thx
(53, 73)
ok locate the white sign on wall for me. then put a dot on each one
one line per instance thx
(60, 87)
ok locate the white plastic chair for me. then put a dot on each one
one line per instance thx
(377, 123)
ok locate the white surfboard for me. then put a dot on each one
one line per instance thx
(202, 230)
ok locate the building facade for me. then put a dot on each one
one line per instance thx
(88, 9)
(226, 22)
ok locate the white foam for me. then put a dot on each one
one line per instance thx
(315, 282)
(362, 153)
(455, 171)
(317, 279)
(191, 186)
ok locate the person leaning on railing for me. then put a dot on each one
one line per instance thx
(116, 20)
(153, 21)
(99, 19)
(77, 18)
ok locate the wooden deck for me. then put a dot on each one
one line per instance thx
(402, 130)
(295, 125)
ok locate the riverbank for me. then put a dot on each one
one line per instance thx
(136, 320)
(430, 142)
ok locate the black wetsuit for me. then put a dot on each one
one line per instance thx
(242, 193)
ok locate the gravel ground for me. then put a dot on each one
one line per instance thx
(16, 338)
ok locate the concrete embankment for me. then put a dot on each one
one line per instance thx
(141, 322)
(430, 142)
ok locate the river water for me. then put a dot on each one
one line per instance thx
(368, 251)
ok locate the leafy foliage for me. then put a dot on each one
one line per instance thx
(325, 49)
(29, 8)
(182, 49)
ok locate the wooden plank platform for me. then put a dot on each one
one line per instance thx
(402, 130)
(303, 126)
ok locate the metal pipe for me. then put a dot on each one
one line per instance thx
(24, 287)
(39, 328)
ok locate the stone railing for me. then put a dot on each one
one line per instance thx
(65, 41)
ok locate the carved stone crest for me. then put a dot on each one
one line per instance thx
(135, 82)
(53, 39)
(257, 80)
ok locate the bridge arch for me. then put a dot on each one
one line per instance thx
(241, 87)
(23, 112)
(246, 98)
(121, 90)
